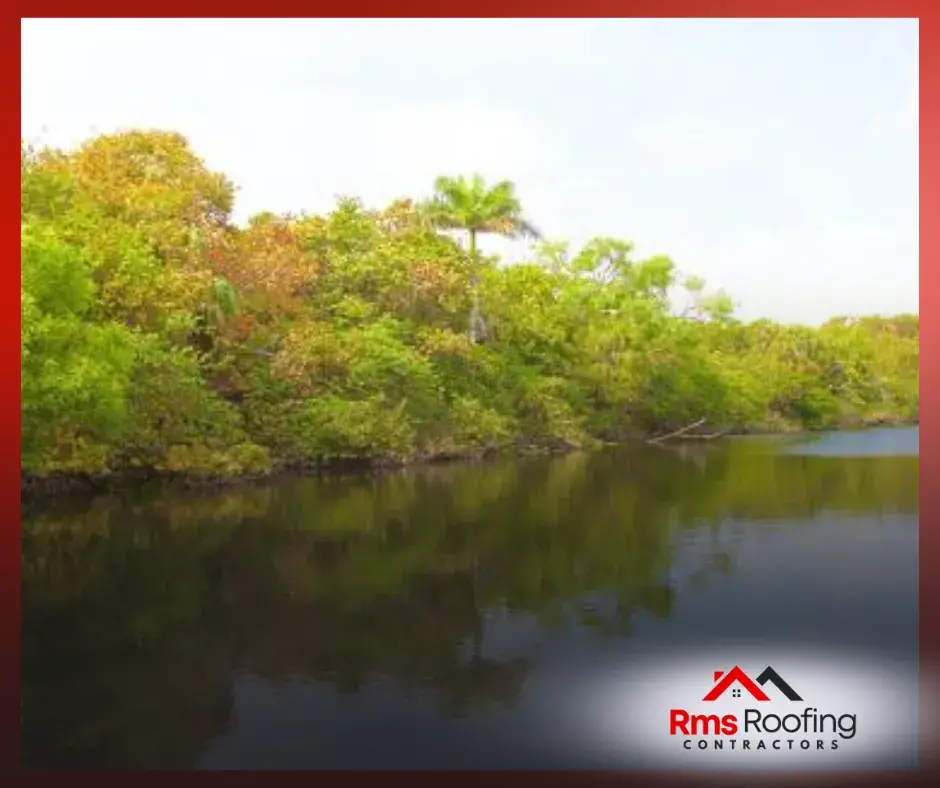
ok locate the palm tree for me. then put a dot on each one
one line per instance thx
(469, 204)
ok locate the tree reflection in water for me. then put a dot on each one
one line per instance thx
(138, 611)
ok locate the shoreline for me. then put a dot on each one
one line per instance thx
(35, 489)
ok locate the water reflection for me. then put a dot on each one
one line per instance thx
(284, 625)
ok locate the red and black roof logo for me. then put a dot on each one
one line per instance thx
(736, 676)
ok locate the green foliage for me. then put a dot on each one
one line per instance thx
(470, 205)
(331, 427)
(158, 335)
(200, 460)
(55, 274)
(75, 374)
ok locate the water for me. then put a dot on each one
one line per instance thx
(452, 616)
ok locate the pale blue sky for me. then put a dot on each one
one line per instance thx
(776, 158)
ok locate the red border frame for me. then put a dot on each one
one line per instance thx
(930, 249)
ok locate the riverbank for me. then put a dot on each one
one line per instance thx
(35, 488)
(160, 339)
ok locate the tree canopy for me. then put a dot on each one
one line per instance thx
(158, 334)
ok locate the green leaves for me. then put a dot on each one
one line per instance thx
(76, 380)
(157, 334)
(75, 375)
(470, 204)
(55, 274)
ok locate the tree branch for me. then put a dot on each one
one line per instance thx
(675, 434)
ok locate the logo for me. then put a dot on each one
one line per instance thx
(782, 728)
(723, 682)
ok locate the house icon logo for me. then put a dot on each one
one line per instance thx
(737, 681)
(782, 727)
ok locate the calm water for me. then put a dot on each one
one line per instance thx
(429, 618)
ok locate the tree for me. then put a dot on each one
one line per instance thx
(158, 335)
(469, 204)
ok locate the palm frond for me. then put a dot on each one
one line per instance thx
(525, 229)
(467, 203)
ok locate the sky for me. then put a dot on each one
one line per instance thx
(777, 159)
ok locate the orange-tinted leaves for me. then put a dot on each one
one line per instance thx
(268, 264)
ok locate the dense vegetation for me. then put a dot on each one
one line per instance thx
(158, 335)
